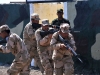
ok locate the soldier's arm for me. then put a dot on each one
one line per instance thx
(31, 32)
(53, 22)
(72, 42)
(9, 46)
(67, 21)
(54, 43)
(42, 41)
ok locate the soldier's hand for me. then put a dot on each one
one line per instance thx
(70, 52)
(62, 46)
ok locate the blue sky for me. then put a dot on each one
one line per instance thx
(8, 1)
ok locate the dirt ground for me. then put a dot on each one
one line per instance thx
(3, 71)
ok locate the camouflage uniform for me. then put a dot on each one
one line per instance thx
(30, 42)
(62, 58)
(44, 50)
(16, 46)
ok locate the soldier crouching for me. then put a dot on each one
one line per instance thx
(43, 45)
(62, 57)
(16, 46)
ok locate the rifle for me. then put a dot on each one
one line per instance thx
(36, 26)
(44, 33)
(54, 26)
(3, 41)
(68, 47)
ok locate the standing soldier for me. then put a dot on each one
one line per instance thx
(43, 45)
(60, 18)
(30, 40)
(62, 57)
(16, 46)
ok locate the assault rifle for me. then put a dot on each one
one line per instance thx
(68, 47)
(54, 26)
(45, 33)
(36, 26)
(3, 41)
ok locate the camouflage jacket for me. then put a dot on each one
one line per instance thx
(29, 35)
(16, 46)
(58, 53)
(43, 44)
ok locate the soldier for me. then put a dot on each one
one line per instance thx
(62, 57)
(43, 45)
(30, 40)
(60, 18)
(16, 46)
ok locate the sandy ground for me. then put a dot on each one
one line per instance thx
(3, 71)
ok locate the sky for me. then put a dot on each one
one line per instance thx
(8, 1)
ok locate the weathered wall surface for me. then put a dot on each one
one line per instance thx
(16, 16)
(47, 10)
(86, 19)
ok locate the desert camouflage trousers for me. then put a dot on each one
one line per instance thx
(21, 68)
(37, 60)
(47, 63)
(34, 54)
(64, 65)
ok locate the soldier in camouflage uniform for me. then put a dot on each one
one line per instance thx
(16, 46)
(62, 57)
(60, 18)
(44, 49)
(30, 40)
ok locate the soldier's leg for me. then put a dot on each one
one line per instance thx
(59, 71)
(37, 59)
(46, 63)
(69, 69)
(29, 48)
(25, 70)
(34, 54)
(14, 69)
(47, 67)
